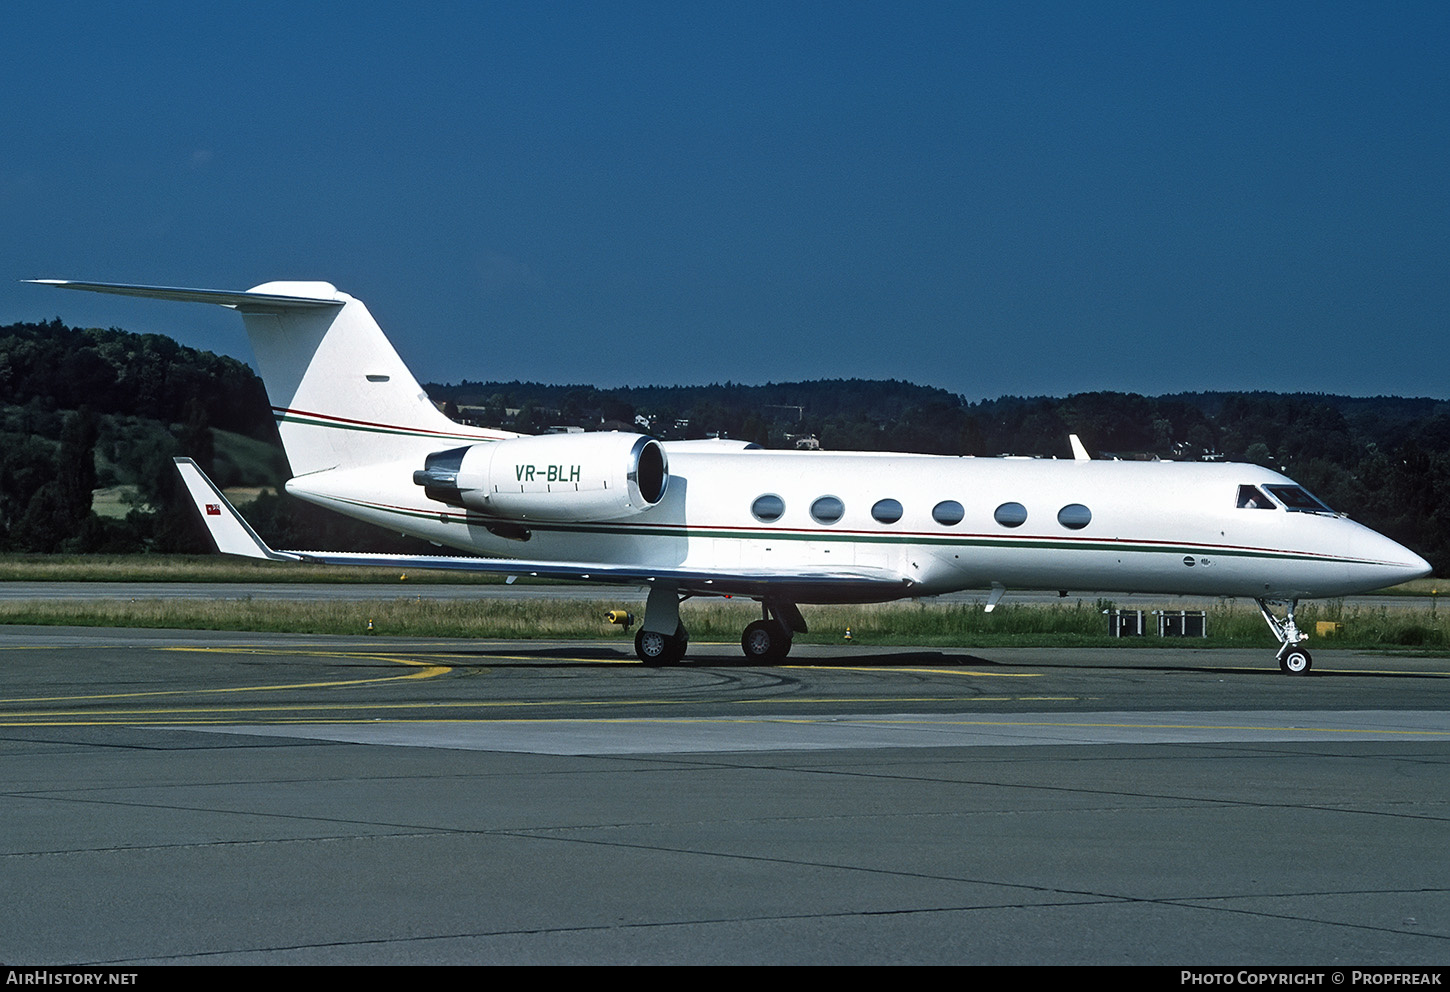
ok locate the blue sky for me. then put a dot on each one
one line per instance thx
(994, 198)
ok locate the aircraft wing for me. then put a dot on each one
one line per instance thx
(234, 536)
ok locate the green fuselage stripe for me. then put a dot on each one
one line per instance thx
(684, 531)
(292, 417)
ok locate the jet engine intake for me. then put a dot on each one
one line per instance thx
(550, 477)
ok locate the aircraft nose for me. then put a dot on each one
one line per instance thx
(1415, 566)
(1397, 562)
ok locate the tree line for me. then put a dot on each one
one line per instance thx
(1384, 460)
(86, 409)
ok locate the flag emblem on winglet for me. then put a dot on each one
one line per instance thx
(213, 510)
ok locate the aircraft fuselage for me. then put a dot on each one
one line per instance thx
(1109, 526)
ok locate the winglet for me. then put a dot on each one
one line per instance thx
(232, 534)
(1079, 453)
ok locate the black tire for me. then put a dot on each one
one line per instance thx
(765, 640)
(1296, 661)
(657, 650)
(652, 648)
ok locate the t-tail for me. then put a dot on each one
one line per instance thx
(341, 395)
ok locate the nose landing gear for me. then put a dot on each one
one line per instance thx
(1293, 659)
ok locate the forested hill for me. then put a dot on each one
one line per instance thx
(141, 375)
(877, 399)
(105, 410)
(89, 410)
(893, 415)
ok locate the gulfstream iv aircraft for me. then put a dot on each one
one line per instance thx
(711, 518)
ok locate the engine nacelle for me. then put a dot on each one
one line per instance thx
(551, 477)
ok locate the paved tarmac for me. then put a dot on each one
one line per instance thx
(200, 797)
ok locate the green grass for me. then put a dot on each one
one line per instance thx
(113, 502)
(946, 625)
(210, 568)
(220, 568)
(1417, 587)
(409, 617)
(1076, 623)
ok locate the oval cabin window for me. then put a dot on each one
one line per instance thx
(827, 510)
(1010, 514)
(948, 513)
(768, 509)
(886, 511)
(1074, 516)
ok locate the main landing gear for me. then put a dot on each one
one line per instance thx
(656, 649)
(662, 640)
(1293, 660)
(769, 638)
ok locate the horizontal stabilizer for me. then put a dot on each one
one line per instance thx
(246, 302)
(341, 394)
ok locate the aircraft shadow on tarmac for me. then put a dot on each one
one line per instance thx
(592, 656)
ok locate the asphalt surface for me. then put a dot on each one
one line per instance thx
(196, 797)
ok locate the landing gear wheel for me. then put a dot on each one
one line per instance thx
(652, 647)
(1296, 661)
(765, 640)
(1293, 660)
(656, 649)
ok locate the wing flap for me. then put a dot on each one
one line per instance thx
(853, 585)
(233, 536)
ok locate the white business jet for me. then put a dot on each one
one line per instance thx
(713, 518)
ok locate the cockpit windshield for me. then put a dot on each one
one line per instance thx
(1252, 498)
(1297, 499)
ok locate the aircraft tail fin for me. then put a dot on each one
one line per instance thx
(341, 394)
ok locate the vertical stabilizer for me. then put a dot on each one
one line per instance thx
(341, 395)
